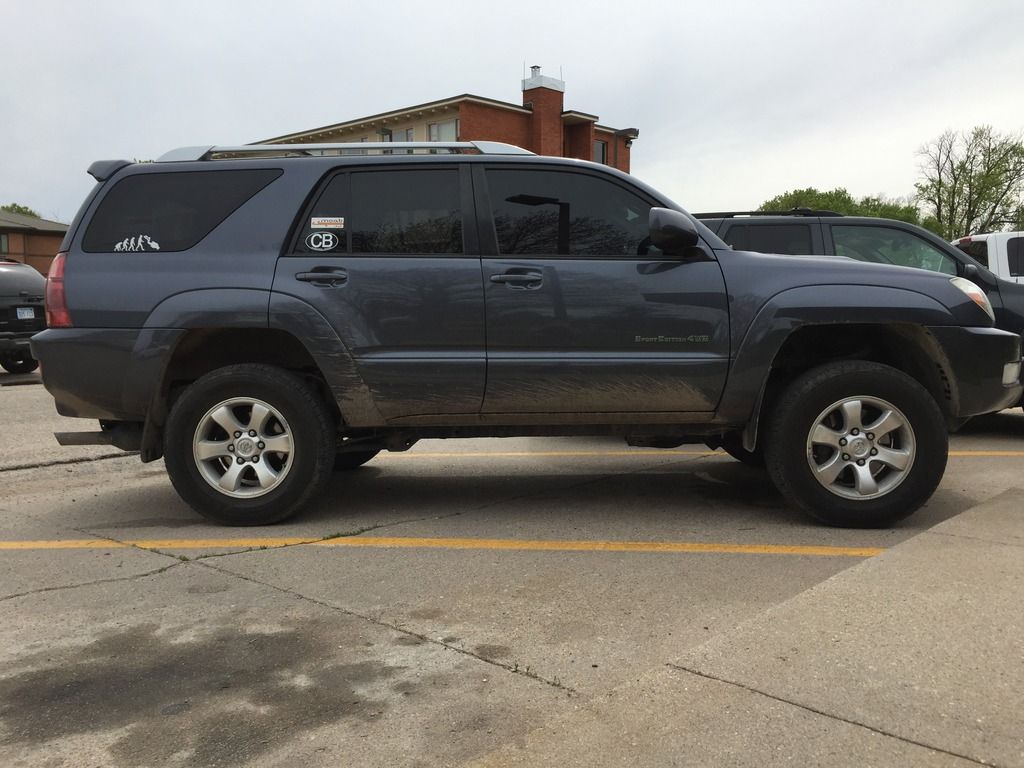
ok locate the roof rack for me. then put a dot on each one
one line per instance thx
(186, 154)
(790, 212)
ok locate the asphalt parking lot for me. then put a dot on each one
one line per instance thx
(493, 602)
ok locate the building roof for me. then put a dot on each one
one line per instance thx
(396, 114)
(19, 221)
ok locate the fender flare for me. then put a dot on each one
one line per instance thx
(796, 308)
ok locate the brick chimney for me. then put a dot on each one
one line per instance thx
(545, 96)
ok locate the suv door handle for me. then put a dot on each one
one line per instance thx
(325, 277)
(522, 279)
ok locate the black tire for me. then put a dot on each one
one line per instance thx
(732, 443)
(23, 363)
(349, 460)
(302, 469)
(898, 493)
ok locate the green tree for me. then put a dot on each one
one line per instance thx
(841, 201)
(972, 182)
(22, 209)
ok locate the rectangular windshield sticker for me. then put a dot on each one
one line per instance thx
(327, 222)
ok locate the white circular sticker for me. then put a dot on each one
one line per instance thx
(322, 241)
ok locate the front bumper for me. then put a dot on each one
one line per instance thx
(979, 358)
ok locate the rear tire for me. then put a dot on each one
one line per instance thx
(249, 445)
(23, 363)
(856, 444)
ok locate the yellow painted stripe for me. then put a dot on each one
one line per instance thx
(381, 542)
(584, 454)
(987, 453)
(541, 454)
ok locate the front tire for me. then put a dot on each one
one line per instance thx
(249, 445)
(856, 444)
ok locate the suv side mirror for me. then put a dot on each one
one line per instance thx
(978, 276)
(672, 232)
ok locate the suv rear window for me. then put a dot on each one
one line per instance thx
(1015, 255)
(977, 249)
(792, 239)
(170, 211)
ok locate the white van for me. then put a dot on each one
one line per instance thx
(1001, 252)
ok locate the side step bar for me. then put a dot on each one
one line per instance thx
(126, 435)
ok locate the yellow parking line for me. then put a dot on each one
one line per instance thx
(584, 454)
(381, 542)
(987, 453)
(541, 454)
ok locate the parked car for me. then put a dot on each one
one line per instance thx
(1000, 252)
(260, 314)
(881, 241)
(21, 314)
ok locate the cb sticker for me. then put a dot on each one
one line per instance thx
(321, 241)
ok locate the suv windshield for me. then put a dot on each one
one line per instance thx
(886, 245)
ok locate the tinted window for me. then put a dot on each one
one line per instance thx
(169, 211)
(885, 245)
(549, 213)
(1015, 255)
(406, 212)
(770, 238)
(415, 211)
(978, 249)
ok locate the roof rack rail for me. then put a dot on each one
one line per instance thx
(790, 212)
(186, 154)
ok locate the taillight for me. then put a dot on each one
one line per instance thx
(56, 302)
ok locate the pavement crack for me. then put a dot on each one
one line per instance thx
(126, 543)
(515, 669)
(61, 462)
(60, 587)
(979, 539)
(831, 716)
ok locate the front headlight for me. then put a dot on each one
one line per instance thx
(975, 294)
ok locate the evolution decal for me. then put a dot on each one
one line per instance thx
(139, 243)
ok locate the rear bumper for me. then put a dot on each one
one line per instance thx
(103, 373)
(979, 358)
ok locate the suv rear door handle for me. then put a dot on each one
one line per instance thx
(520, 279)
(325, 277)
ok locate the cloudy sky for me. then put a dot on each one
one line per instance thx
(735, 101)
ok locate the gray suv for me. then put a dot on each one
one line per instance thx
(262, 315)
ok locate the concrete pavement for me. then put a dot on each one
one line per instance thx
(914, 657)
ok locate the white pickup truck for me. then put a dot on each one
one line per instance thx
(1001, 252)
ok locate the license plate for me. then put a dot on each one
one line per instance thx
(26, 313)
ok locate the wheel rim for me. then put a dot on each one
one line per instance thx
(861, 447)
(243, 447)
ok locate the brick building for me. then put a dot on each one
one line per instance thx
(540, 124)
(29, 239)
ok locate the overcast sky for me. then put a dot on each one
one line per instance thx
(735, 101)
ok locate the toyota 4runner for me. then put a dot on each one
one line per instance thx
(261, 315)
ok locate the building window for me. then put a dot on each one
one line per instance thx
(405, 134)
(3, 244)
(601, 152)
(448, 131)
